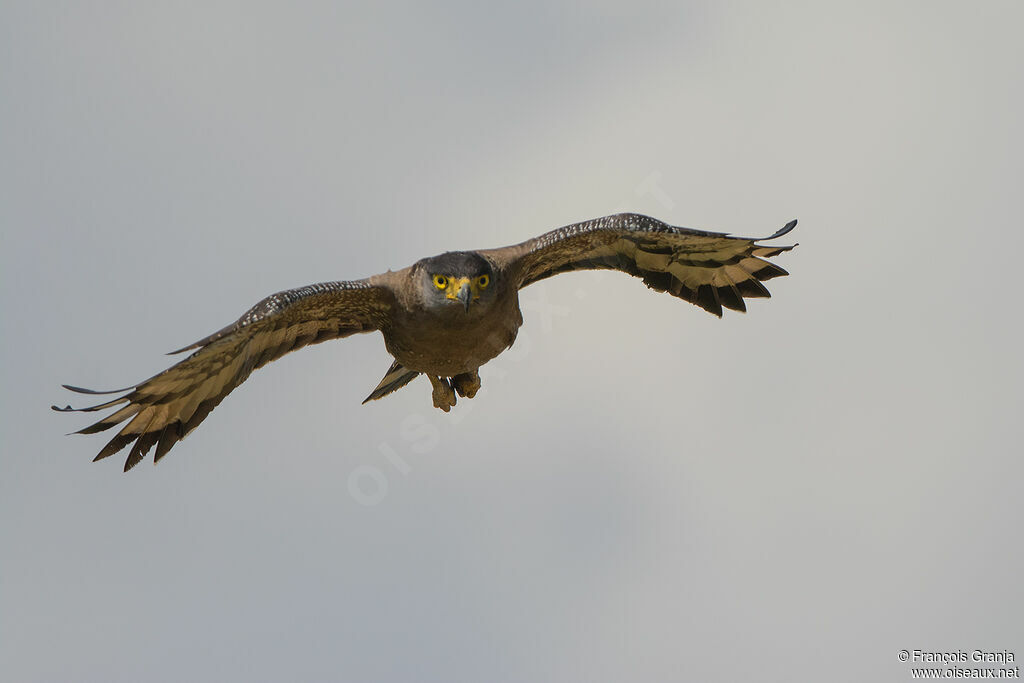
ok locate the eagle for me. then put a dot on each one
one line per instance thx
(443, 317)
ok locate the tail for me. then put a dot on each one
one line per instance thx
(394, 379)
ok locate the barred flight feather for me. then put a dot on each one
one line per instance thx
(163, 409)
(709, 269)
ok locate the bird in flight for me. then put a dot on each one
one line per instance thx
(442, 317)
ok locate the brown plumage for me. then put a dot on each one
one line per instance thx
(443, 316)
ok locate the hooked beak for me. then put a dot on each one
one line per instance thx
(465, 295)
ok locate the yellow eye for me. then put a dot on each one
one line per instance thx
(483, 281)
(440, 281)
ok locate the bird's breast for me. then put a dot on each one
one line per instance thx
(452, 342)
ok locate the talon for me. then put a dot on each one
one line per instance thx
(467, 384)
(443, 394)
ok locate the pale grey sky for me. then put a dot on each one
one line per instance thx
(640, 491)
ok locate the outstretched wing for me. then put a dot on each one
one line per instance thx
(709, 269)
(164, 408)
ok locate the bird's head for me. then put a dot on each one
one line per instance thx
(460, 279)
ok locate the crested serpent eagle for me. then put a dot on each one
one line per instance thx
(443, 317)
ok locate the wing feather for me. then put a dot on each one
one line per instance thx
(163, 409)
(709, 269)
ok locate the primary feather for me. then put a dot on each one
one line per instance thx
(425, 334)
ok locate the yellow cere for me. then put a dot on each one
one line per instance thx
(453, 284)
